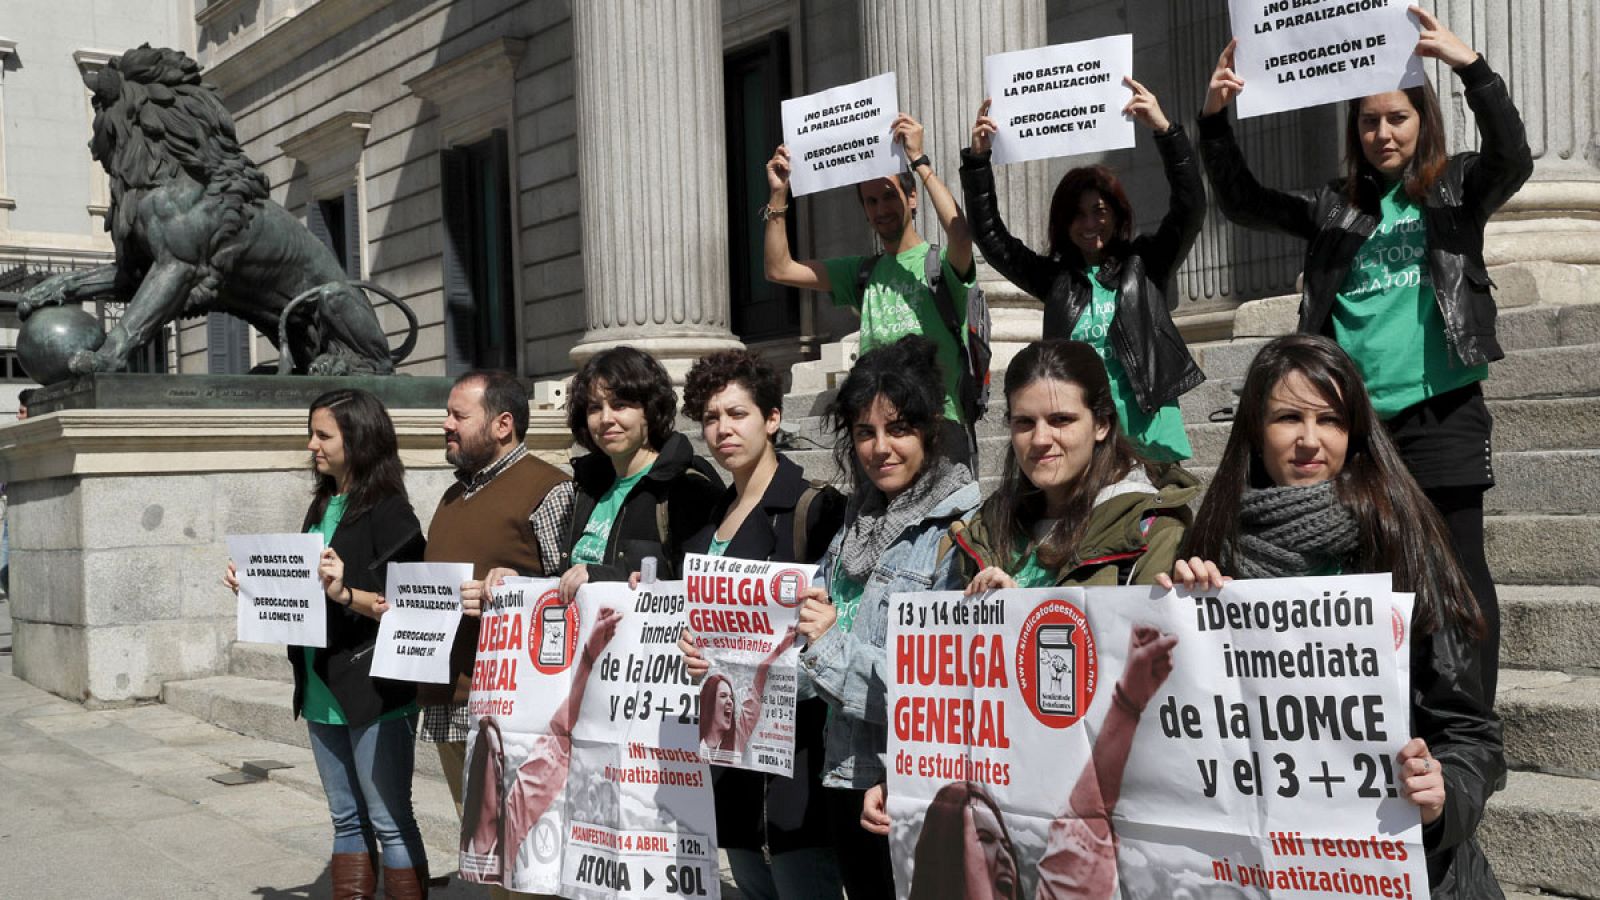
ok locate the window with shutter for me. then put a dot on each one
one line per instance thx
(479, 294)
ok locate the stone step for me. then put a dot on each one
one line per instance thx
(1552, 721)
(1549, 627)
(256, 708)
(266, 662)
(1526, 549)
(1543, 831)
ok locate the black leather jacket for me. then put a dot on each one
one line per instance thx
(1472, 187)
(1142, 335)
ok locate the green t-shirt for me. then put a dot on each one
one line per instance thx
(591, 546)
(319, 704)
(1387, 312)
(846, 593)
(1160, 436)
(1032, 574)
(898, 301)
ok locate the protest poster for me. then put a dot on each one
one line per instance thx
(743, 614)
(1135, 743)
(1060, 100)
(841, 136)
(280, 594)
(1298, 53)
(583, 775)
(415, 634)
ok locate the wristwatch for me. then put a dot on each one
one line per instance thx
(922, 160)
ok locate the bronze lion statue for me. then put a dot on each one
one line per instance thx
(196, 232)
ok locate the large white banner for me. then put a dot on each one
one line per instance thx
(1133, 743)
(841, 136)
(743, 615)
(415, 634)
(1061, 100)
(280, 594)
(583, 774)
(1298, 53)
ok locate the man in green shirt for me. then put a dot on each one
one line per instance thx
(897, 299)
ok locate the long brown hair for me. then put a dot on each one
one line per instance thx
(939, 862)
(371, 450)
(1018, 504)
(1400, 531)
(1426, 166)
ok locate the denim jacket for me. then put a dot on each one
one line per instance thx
(850, 670)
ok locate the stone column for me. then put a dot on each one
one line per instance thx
(652, 164)
(937, 50)
(1546, 50)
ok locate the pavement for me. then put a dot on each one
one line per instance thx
(120, 803)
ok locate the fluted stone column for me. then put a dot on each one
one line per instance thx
(1548, 51)
(937, 50)
(652, 167)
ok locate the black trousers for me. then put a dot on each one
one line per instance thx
(864, 863)
(1445, 442)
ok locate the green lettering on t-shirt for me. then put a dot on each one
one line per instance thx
(1159, 436)
(1387, 317)
(898, 301)
(591, 546)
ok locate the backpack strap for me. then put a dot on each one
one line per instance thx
(864, 274)
(802, 530)
(933, 271)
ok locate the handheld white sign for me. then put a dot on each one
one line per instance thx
(415, 635)
(1298, 53)
(280, 596)
(841, 136)
(1061, 100)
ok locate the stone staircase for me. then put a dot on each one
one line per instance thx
(1542, 831)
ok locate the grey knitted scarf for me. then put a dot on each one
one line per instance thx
(1293, 531)
(873, 522)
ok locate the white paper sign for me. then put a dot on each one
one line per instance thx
(1298, 53)
(743, 614)
(1061, 100)
(841, 136)
(280, 596)
(415, 635)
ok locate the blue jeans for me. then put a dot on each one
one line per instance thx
(809, 874)
(366, 773)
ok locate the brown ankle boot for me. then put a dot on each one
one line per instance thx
(406, 884)
(354, 877)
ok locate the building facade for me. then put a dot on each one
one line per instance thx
(542, 179)
(53, 196)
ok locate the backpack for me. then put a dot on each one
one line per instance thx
(972, 387)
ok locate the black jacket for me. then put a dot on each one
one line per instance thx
(1447, 711)
(367, 542)
(1455, 210)
(680, 487)
(753, 808)
(1145, 340)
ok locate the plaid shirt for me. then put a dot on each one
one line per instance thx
(450, 723)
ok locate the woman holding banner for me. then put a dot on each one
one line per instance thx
(641, 491)
(1401, 201)
(363, 729)
(888, 419)
(1099, 282)
(1076, 504)
(771, 512)
(1312, 484)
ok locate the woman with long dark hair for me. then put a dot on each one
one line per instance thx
(1076, 503)
(1312, 484)
(363, 729)
(640, 491)
(1394, 272)
(888, 420)
(1099, 281)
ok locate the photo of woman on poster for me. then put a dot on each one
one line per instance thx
(725, 723)
(496, 819)
(964, 848)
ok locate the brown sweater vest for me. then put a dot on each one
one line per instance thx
(488, 529)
